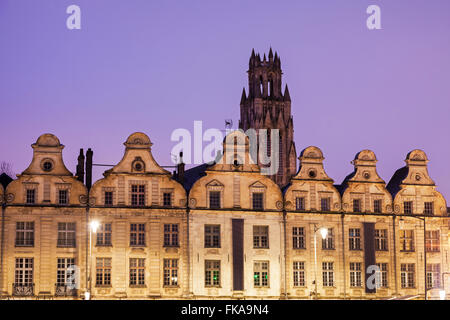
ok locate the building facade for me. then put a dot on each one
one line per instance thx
(223, 230)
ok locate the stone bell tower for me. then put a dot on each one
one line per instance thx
(266, 107)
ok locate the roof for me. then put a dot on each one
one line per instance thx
(5, 179)
(394, 184)
(192, 175)
(343, 186)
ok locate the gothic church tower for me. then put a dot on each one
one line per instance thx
(266, 107)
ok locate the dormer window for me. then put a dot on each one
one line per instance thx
(63, 197)
(138, 195)
(356, 205)
(167, 199)
(258, 200)
(214, 199)
(31, 196)
(108, 198)
(428, 208)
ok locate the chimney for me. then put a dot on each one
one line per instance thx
(180, 169)
(89, 155)
(80, 167)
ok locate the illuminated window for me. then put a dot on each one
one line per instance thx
(261, 274)
(170, 272)
(212, 273)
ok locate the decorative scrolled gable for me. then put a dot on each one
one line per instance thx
(365, 167)
(46, 175)
(413, 184)
(417, 164)
(236, 154)
(138, 175)
(311, 165)
(138, 157)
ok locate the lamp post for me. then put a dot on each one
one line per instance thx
(323, 233)
(424, 250)
(93, 226)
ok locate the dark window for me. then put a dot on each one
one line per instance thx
(298, 238)
(381, 240)
(260, 237)
(167, 199)
(377, 206)
(171, 235)
(257, 198)
(214, 199)
(407, 207)
(299, 273)
(328, 274)
(406, 240)
(325, 204)
(24, 234)
(212, 236)
(428, 208)
(63, 197)
(24, 272)
(67, 234)
(300, 203)
(137, 234)
(108, 198)
(355, 274)
(356, 205)
(138, 195)
(104, 235)
(31, 196)
(354, 237)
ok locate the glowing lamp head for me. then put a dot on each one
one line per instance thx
(442, 294)
(94, 225)
(323, 232)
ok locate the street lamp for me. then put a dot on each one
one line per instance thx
(323, 233)
(401, 224)
(93, 227)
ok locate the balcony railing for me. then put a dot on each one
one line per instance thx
(23, 290)
(62, 290)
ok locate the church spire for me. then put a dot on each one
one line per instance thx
(268, 107)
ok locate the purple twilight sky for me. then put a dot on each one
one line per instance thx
(155, 66)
